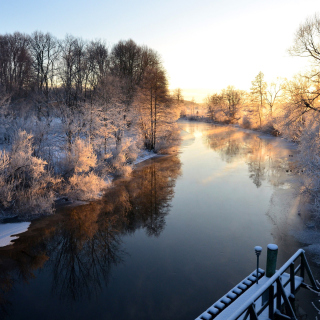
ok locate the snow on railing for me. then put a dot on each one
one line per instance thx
(267, 297)
(233, 294)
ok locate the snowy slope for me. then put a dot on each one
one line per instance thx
(7, 230)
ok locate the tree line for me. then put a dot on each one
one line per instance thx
(287, 107)
(72, 112)
(253, 109)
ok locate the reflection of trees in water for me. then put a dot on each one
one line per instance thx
(263, 159)
(151, 192)
(145, 199)
(84, 250)
(6, 284)
(18, 263)
(267, 162)
(83, 245)
(228, 142)
(257, 163)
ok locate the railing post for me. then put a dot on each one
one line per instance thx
(272, 254)
(310, 275)
(302, 266)
(287, 304)
(292, 296)
(252, 312)
(292, 279)
(271, 301)
(258, 250)
(278, 297)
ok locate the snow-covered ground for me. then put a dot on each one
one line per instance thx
(311, 238)
(144, 155)
(8, 232)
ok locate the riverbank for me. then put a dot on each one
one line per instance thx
(109, 179)
(180, 232)
(13, 226)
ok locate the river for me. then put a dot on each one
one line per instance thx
(169, 241)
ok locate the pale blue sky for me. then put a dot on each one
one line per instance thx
(205, 45)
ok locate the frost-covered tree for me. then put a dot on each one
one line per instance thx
(257, 92)
(26, 186)
(301, 113)
(272, 95)
(83, 182)
(233, 99)
(226, 105)
(157, 110)
(88, 110)
(6, 116)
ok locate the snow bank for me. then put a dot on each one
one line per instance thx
(311, 238)
(144, 155)
(7, 230)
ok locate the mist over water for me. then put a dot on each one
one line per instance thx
(167, 243)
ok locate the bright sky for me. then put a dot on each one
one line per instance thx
(205, 45)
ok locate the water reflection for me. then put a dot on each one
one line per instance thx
(19, 263)
(151, 194)
(77, 249)
(266, 158)
(83, 251)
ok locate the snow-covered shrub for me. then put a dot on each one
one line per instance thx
(38, 128)
(86, 186)
(82, 182)
(82, 156)
(6, 185)
(80, 159)
(124, 155)
(246, 122)
(221, 117)
(6, 118)
(309, 161)
(26, 186)
(169, 139)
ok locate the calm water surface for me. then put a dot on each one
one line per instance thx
(165, 244)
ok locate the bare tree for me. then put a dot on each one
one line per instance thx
(258, 91)
(125, 61)
(129, 62)
(98, 66)
(153, 95)
(307, 44)
(15, 64)
(214, 104)
(272, 93)
(72, 70)
(44, 49)
(233, 99)
(225, 106)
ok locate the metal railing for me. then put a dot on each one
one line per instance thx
(273, 298)
(277, 296)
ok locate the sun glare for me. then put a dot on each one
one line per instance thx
(197, 134)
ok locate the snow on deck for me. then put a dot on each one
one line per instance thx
(235, 303)
(9, 230)
(232, 309)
